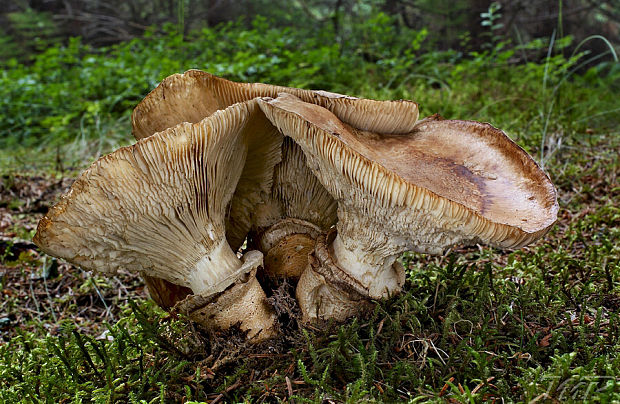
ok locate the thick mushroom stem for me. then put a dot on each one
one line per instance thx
(242, 302)
(325, 291)
(339, 282)
(361, 256)
(215, 271)
(226, 292)
(379, 275)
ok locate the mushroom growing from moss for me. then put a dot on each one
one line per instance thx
(286, 223)
(445, 182)
(158, 208)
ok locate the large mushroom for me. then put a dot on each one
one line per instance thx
(445, 182)
(159, 207)
(287, 221)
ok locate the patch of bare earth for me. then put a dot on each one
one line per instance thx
(37, 290)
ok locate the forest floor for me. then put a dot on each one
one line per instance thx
(40, 291)
(541, 323)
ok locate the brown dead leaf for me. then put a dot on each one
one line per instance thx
(544, 342)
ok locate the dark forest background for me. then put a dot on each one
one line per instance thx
(31, 26)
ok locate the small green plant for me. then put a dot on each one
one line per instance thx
(490, 19)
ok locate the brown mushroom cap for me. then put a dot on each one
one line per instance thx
(445, 182)
(191, 96)
(158, 207)
(473, 181)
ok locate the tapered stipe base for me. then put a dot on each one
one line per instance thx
(325, 291)
(243, 303)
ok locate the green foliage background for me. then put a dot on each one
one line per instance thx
(76, 95)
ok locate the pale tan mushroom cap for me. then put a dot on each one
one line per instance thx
(256, 180)
(296, 193)
(191, 96)
(158, 206)
(445, 182)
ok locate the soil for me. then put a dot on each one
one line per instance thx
(40, 291)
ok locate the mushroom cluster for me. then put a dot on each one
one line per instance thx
(227, 179)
